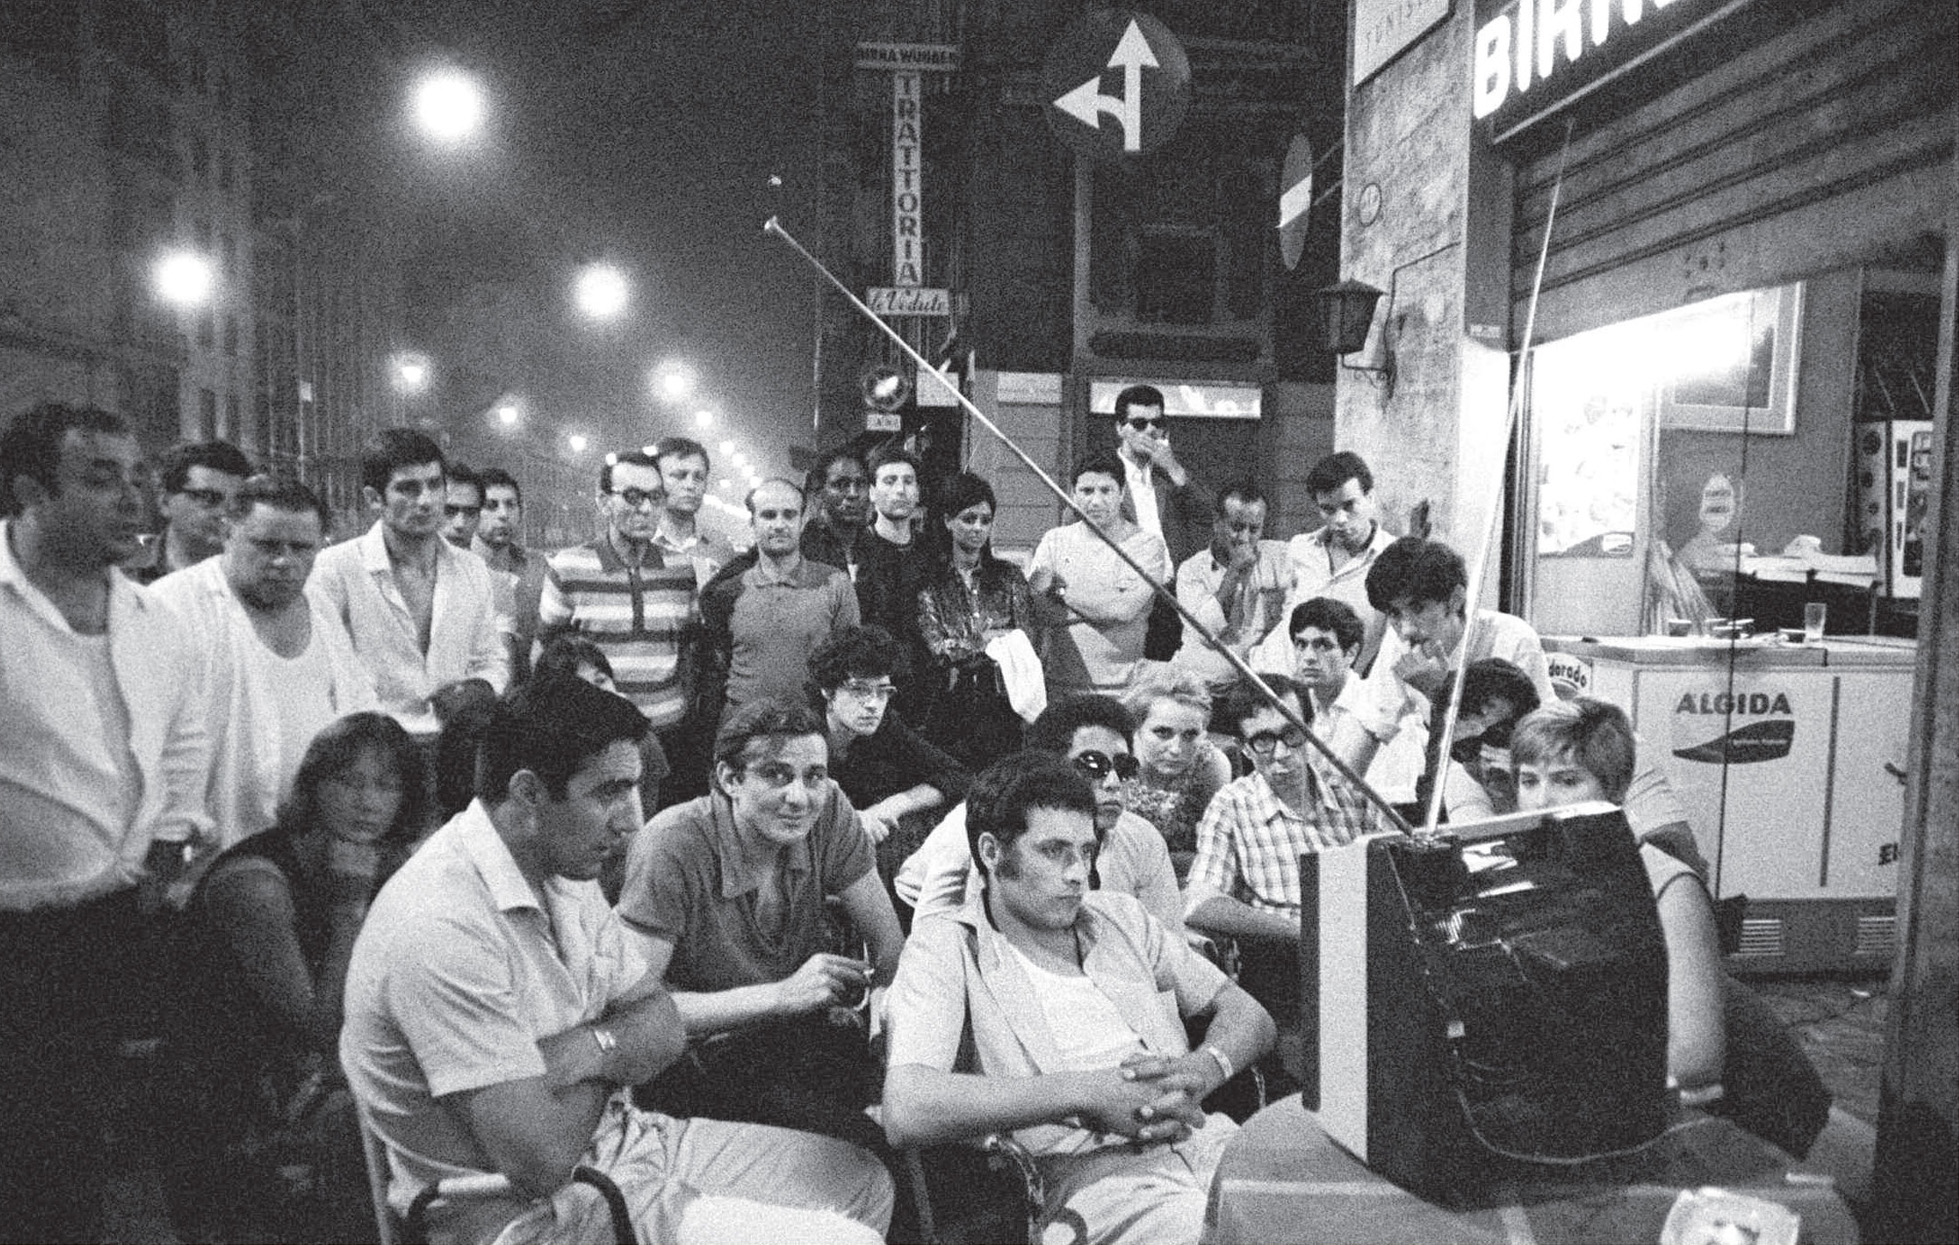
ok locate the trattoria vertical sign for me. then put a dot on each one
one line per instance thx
(907, 63)
(1532, 57)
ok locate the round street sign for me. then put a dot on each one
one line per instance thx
(1117, 84)
(1295, 199)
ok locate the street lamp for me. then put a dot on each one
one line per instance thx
(448, 105)
(703, 419)
(600, 291)
(577, 442)
(507, 414)
(411, 371)
(727, 447)
(675, 381)
(184, 278)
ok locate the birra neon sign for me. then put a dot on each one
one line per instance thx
(1523, 46)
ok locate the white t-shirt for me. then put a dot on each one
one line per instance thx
(1089, 1033)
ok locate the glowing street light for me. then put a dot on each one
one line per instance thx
(449, 105)
(577, 442)
(727, 447)
(411, 371)
(675, 381)
(507, 414)
(703, 419)
(740, 460)
(600, 291)
(184, 278)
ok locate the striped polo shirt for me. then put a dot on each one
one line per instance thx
(637, 615)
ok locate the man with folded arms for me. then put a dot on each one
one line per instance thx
(1072, 1003)
(496, 1011)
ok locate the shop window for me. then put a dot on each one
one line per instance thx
(1176, 276)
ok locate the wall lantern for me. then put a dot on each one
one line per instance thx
(1346, 317)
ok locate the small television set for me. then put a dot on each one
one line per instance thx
(1495, 996)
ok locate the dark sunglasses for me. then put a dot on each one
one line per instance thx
(1265, 743)
(1095, 766)
(635, 498)
(1143, 425)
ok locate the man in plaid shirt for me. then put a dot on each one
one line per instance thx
(1244, 883)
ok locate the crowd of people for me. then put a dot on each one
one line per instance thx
(731, 874)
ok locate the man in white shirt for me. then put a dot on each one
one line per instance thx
(1333, 559)
(421, 613)
(103, 758)
(684, 471)
(1058, 1012)
(279, 667)
(1236, 588)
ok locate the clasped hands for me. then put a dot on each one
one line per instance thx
(1152, 1099)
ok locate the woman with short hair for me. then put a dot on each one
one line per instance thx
(1180, 769)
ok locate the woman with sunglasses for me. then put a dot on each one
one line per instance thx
(1179, 768)
(970, 600)
(249, 1077)
(891, 776)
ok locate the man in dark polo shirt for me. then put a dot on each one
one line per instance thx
(764, 614)
(727, 895)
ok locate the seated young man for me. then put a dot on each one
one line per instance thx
(1245, 881)
(496, 1009)
(1093, 733)
(1724, 1045)
(1072, 1005)
(725, 895)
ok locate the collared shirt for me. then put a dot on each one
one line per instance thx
(458, 972)
(1133, 860)
(1108, 606)
(518, 576)
(87, 786)
(1139, 484)
(959, 979)
(1314, 575)
(357, 580)
(638, 614)
(761, 627)
(1255, 612)
(1387, 704)
(264, 709)
(707, 551)
(1250, 841)
(687, 883)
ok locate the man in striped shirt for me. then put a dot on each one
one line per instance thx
(626, 594)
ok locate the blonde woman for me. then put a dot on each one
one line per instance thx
(1180, 768)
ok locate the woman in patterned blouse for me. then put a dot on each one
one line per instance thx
(1181, 768)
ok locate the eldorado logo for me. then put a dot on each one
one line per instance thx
(1757, 741)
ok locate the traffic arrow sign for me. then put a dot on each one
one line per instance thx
(1150, 106)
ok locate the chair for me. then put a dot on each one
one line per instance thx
(994, 1181)
(412, 1228)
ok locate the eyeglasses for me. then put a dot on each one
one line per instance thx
(1095, 766)
(1265, 743)
(867, 691)
(209, 498)
(1140, 424)
(639, 498)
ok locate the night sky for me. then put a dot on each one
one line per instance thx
(645, 134)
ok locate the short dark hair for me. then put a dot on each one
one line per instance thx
(1137, 395)
(1102, 462)
(681, 447)
(1247, 492)
(1415, 570)
(1055, 729)
(280, 491)
(853, 653)
(802, 498)
(635, 457)
(1244, 701)
(1005, 792)
(1336, 469)
(891, 452)
(211, 455)
(463, 473)
(31, 446)
(1328, 614)
(1491, 678)
(497, 477)
(819, 472)
(566, 653)
(760, 719)
(338, 745)
(553, 727)
(391, 449)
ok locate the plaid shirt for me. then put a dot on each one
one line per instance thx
(1250, 841)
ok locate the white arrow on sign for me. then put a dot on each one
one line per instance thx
(1086, 103)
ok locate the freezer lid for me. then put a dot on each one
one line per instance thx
(1695, 651)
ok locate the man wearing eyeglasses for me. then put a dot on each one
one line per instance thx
(1093, 734)
(625, 593)
(199, 486)
(726, 895)
(1244, 883)
(1159, 495)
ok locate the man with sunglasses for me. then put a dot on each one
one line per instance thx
(1159, 495)
(198, 486)
(1244, 883)
(625, 593)
(1093, 734)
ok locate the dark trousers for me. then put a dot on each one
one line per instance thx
(65, 989)
(805, 1073)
